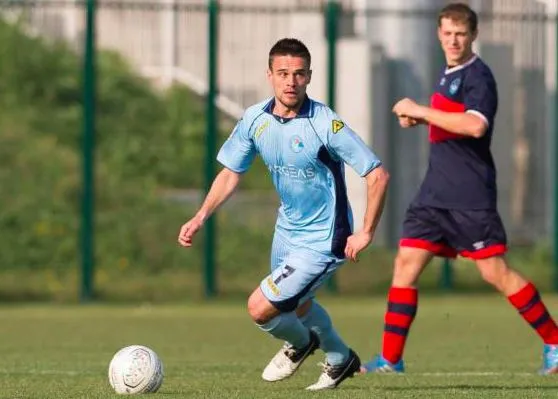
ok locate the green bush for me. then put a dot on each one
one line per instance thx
(147, 142)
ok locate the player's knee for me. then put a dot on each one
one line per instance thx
(259, 308)
(494, 271)
(405, 271)
(255, 308)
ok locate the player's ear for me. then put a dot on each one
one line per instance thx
(269, 73)
(309, 75)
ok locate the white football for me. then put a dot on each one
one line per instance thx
(135, 369)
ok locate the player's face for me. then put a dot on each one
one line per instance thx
(289, 76)
(457, 40)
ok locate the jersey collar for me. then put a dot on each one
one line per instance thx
(305, 110)
(459, 67)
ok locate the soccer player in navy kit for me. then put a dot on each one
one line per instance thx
(455, 209)
(305, 145)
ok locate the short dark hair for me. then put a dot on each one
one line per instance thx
(289, 46)
(459, 12)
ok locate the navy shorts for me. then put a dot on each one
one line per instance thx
(471, 233)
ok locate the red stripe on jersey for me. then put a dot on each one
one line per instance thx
(442, 103)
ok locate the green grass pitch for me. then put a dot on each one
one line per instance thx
(460, 347)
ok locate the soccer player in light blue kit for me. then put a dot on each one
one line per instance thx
(305, 145)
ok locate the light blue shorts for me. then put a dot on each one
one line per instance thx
(296, 273)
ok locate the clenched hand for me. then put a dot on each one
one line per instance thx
(188, 230)
(356, 243)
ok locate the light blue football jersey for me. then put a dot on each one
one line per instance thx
(305, 156)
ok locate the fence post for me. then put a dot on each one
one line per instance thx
(392, 201)
(555, 158)
(446, 275)
(332, 15)
(211, 145)
(88, 148)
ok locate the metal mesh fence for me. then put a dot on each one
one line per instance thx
(387, 49)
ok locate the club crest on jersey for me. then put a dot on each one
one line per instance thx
(454, 86)
(443, 81)
(296, 144)
(336, 126)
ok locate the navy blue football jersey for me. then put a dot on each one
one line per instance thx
(461, 172)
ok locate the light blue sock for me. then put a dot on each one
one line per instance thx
(331, 343)
(288, 327)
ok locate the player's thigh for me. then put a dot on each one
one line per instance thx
(280, 250)
(422, 230)
(477, 233)
(295, 281)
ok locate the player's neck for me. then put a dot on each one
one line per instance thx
(466, 58)
(283, 111)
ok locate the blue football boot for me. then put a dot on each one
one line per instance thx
(550, 359)
(380, 365)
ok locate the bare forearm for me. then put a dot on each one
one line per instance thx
(377, 183)
(222, 188)
(462, 123)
